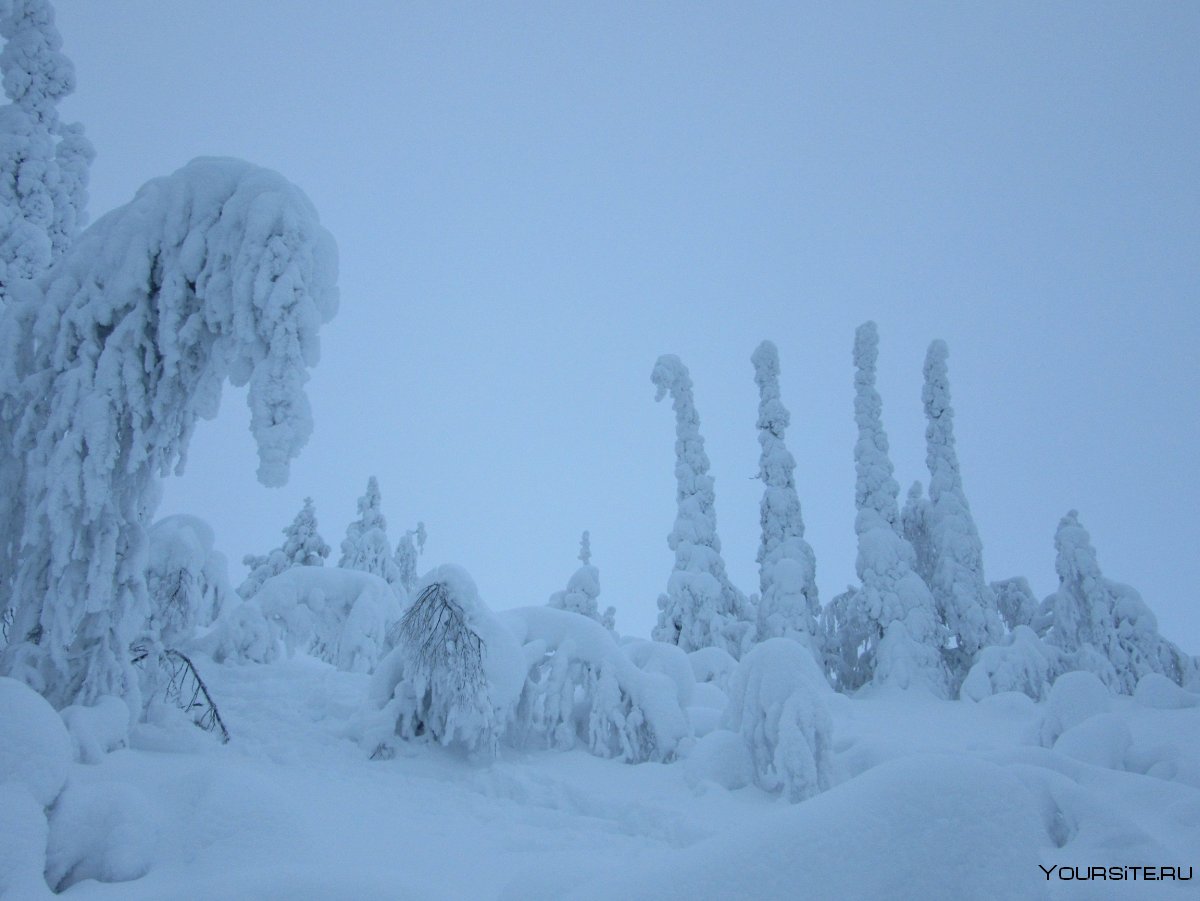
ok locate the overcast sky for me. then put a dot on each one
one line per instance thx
(533, 201)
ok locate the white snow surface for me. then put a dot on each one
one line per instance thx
(935, 799)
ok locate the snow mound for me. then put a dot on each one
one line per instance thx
(1102, 740)
(668, 659)
(98, 729)
(106, 831)
(928, 826)
(35, 749)
(722, 757)
(1074, 698)
(777, 703)
(1160, 693)
(712, 665)
(23, 832)
(341, 616)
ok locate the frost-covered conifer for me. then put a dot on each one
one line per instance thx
(219, 271)
(1104, 626)
(366, 546)
(904, 638)
(914, 525)
(701, 606)
(43, 162)
(964, 601)
(788, 604)
(583, 587)
(1015, 602)
(303, 544)
(410, 546)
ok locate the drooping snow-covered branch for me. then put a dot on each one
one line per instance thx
(219, 271)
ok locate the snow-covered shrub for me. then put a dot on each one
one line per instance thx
(410, 546)
(581, 688)
(668, 659)
(455, 672)
(35, 748)
(701, 606)
(186, 579)
(712, 665)
(1073, 698)
(1104, 626)
(98, 729)
(242, 635)
(777, 704)
(788, 603)
(219, 271)
(1025, 664)
(722, 757)
(1102, 740)
(105, 831)
(341, 616)
(1160, 693)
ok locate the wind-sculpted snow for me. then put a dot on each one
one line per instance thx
(220, 271)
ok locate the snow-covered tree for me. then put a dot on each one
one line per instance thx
(583, 587)
(1104, 626)
(43, 162)
(303, 544)
(366, 546)
(186, 579)
(701, 606)
(914, 526)
(788, 604)
(964, 601)
(408, 549)
(1016, 603)
(220, 271)
(893, 606)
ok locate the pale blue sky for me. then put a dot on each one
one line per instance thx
(533, 201)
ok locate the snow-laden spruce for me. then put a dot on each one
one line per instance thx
(964, 600)
(408, 549)
(302, 546)
(1104, 626)
(43, 162)
(583, 588)
(701, 606)
(219, 271)
(1022, 663)
(1017, 605)
(366, 546)
(788, 603)
(777, 704)
(453, 676)
(892, 631)
(186, 577)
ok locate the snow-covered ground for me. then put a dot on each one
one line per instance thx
(933, 799)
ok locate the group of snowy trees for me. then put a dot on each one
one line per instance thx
(923, 613)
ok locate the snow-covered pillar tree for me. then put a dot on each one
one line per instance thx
(219, 271)
(43, 163)
(904, 638)
(701, 607)
(366, 546)
(964, 601)
(788, 604)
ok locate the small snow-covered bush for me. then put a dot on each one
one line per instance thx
(1158, 692)
(1025, 664)
(35, 749)
(777, 703)
(455, 672)
(668, 659)
(186, 579)
(581, 688)
(1073, 698)
(713, 665)
(242, 635)
(341, 616)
